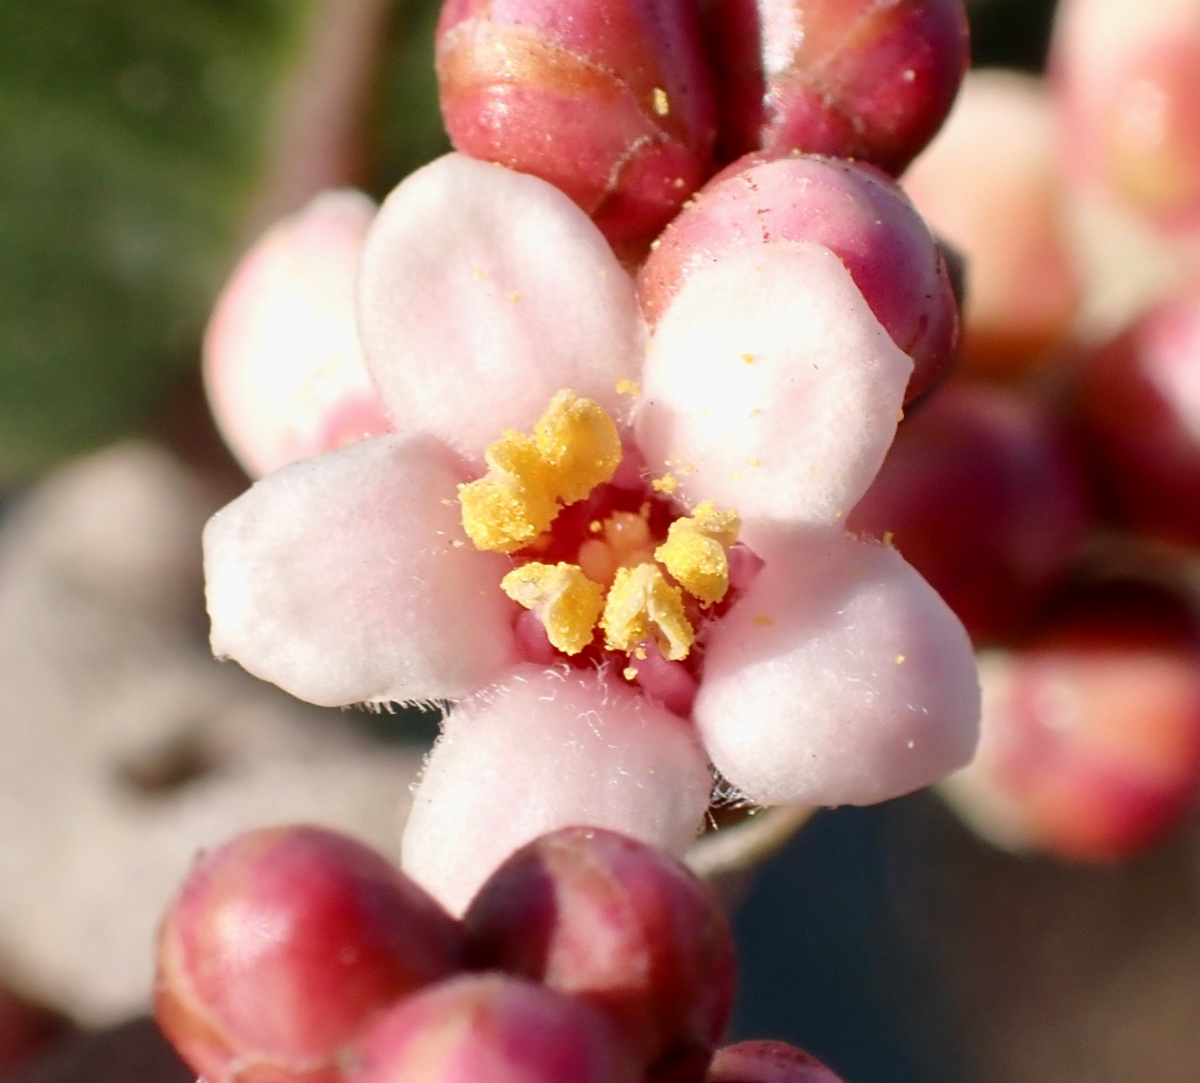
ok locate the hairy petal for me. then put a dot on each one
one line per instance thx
(771, 388)
(338, 579)
(840, 677)
(550, 748)
(482, 292)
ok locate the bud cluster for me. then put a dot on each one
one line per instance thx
(296, 955)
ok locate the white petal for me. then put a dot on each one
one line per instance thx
(770, 387)
(547, 749)
(283, 367)
(840, 677)
(337, 579)
(482, 292)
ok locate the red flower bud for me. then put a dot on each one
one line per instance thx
(849, 78)
(283, 944)
(609, 100)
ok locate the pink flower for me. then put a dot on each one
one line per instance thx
(827, 671)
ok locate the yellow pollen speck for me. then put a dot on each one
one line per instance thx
(567, 601)
(755, 462)
(575, 447)
(763, 621)
(515, 296)
(756, 412)
(642, 603)
(628, 387)
(629, 673)
(748, 358)
(595, 526)
(478, 273)
(655, 243)
(679, 182)
(447, 502)
(458, 543)
(899, 659)
(662, 104)
(639, 653)
(696, 551)
(899, 416)
(665, 484)
(887, 538)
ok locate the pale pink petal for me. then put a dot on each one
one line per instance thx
(482, 292)
(549, 748)
(282, 365)
(840, 677)
(771, 388)
(337, 578)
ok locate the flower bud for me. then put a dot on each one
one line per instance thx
(1139, 405)
(618, 924)
(609, 100)
(1127, 81)
(990, 185)
(1090, 743)
(848, 78)
(283, 944)
(982, 493)
(490, 1029)
(854, 211)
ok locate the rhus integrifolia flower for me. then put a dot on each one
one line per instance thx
(622, 551)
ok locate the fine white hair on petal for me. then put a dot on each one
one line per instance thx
(547, 749)
(771, 387)
(482, 292)
(338, 579)
(840, 677)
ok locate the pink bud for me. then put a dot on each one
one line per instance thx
(767, 1062)
(617, 923)
(492, 1029)
(283, 944)
(1127, 78)
(854, 211)
(981, 492)
(609, 100)
(282, 363)
(1139, 403)
(1090, 745)
(849, 78)
(990, 185)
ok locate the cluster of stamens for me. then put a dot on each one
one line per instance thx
(623, 581)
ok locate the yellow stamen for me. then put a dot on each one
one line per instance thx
(580, 444)
(575, 447)
(642, 603)
(695, 551)
(567, 601)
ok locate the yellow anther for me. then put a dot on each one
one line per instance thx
(567, 601)
(695, 552)
(575, 447)
(515, 502)
(662, 104)
(628, 387)
(579, 443)
(642, 603)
